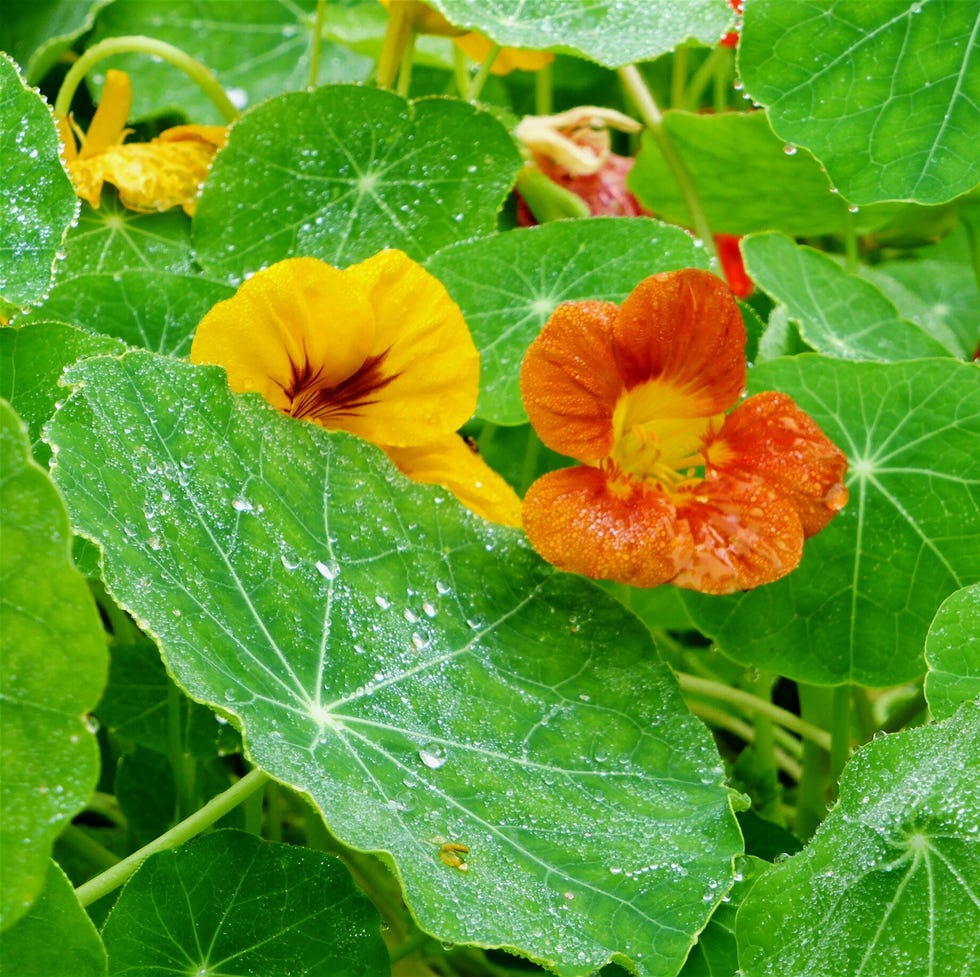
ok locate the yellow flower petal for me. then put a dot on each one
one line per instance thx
(430, 358)
(108, 126)
(454, 465)
(294, 313)
(477, 47)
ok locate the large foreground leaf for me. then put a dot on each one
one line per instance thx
(55, 938)
(342, 172)
(37, 200)
(422, 675)
(53, 659)
(953, 653)
(885, 93)
(508, 285)
(612, 32)
(230, 903)
(889, 884)
(860, 604)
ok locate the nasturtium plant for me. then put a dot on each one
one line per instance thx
(336, 360)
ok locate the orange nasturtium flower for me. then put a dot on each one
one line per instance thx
(379, 350)
(153, 176)
(670, 489)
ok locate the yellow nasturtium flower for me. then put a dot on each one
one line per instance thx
(378, 349)
(163, 173)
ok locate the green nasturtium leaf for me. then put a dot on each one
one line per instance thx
(230, 903)
(860, 604)
(838, 314)
(32, 359)
(140, 700)
(508, 285)
(953, 653)
(55, 938)
(419, 673)
(344, 171)
(256, 50)
(53, 670)
(746, 179)
(37, 200)
(941, 296)
(35, 34)
(612, 32)
(889, 883)
(886, 95)
(716, 954)
(112, 239)
(156, 310)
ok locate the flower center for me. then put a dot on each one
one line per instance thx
(658, 433)
(311, 397)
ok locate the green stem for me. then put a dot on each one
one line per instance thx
(480, 78)
(765, 739)
(544, 101)
(530, 465)
(840, 732)
(974, 245)
(725, 720)
(863, 714)
(678, 78)
(811, 801)
(137, 44)
(397, 33)
(851, 245)
(317, 42)
(703, 76)
(653, 119)
(738, 697)
(405, 68)
(461, 71)
(88, 848)
(213, 811)
(722, 81)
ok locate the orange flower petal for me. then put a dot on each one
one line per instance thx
(580, 521)
(769, 437)
(569, 380)
(683, 329)
(744, 534)
(451, 463)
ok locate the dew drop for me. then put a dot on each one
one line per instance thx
(789, 149)
(433, 755)
(328, 570)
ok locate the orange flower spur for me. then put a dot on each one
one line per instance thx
(670, 489)
(379, 350)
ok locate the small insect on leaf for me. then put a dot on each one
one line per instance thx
(452, 854)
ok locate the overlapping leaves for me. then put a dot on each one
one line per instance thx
(419, 673)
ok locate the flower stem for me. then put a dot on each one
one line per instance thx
(754, 704)
(405, 68)
(653, 119)
(215, 809)
(840, 731)
(678, 78)
(137, 44)
(702, 78)
(317, 42)
(480, 78)
(400, 16)
(544, 102)
(811, 802)
(88, 848)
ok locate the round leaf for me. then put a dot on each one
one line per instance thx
(953, 653)
(53, 660)
(858, 607)
(611, 32)
(888, 885)
(342, 172)
(421, 674)
(256, 50)
(839, 314)
(37, 200)
(230, 903)
(56, 938)
(508, 285)
(745, 178)
(886, 95)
